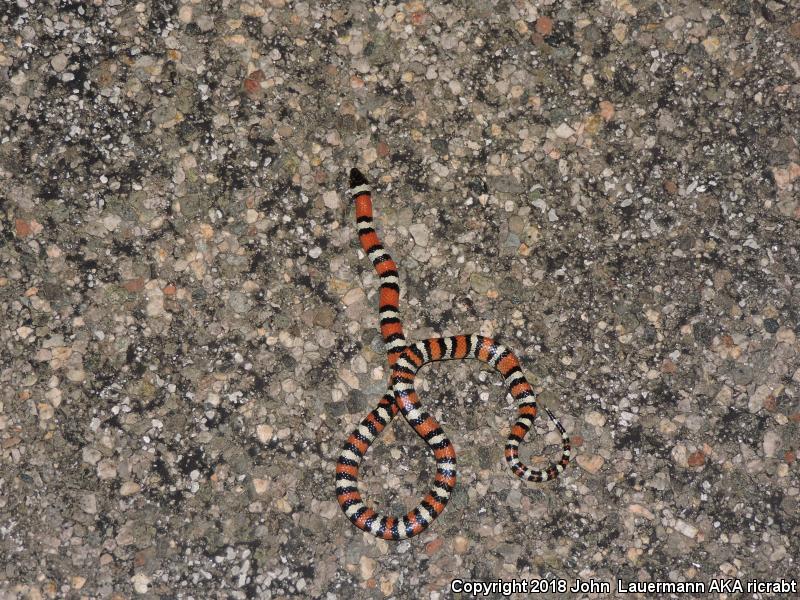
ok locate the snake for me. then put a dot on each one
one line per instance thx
(405, 358)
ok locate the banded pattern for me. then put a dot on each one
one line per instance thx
(405, 360)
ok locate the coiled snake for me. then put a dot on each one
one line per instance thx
(405, 359)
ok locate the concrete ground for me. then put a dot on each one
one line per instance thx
(188, 328)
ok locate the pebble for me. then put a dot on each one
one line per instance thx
(420, 233)
(59, 62)
(264, 433)
(785, 176)
(785, 335)
(239, 302)
(260, 486)
(434, 546)
(460, 544)
(680, 455)
(141, 583)
(23, 332)
(331, 200)
(674, 23)
(366, 567)
(45, 411)
(544, 26)
(696, 459)
(686, 529)
(564, 131)
(641, 511)
(480, 283)
(591, 463)
(772, 441)
(711, 44)
(106, 469)
(595, 418)
(349, 378)
(185, 13)
(353, 296)
(134, 285)
(607, 110)
(129, 488)
(111, 222)
(756, 401)
(77, 582)
(205, 23)
(91, 456)
(89, 504)
(76, 375)
(325, 338)
(324, 317)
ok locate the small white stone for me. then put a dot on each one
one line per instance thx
(367, 567)
(564, 131)
(325, 338)
(772, 442)
(353, 296)
(595, 418)
(786, 335)
(641, 511)
(370, 155)
(756, 401)
(89, 504)
(680, 455)
(420, 233)
(155, 306)
(264, 433)
(685, 528)
(91, 456)
(76, 375)
(724, 396)
(106, 469)
(333, 138)
(283, 506)
(674, 23)
(331, 200)
(129, 488)
(111, 222)
(185, 14)
(59, 62)
(141, 583)
(53, 396)
(591, 463)
(349, 378)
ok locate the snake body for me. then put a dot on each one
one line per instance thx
(405, 359)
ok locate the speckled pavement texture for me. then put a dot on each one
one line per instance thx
(188, 327)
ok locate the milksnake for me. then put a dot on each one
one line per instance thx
(405, 359)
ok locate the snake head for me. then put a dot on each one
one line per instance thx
(357, 178)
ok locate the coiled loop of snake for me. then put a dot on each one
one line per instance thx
(405, 359)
